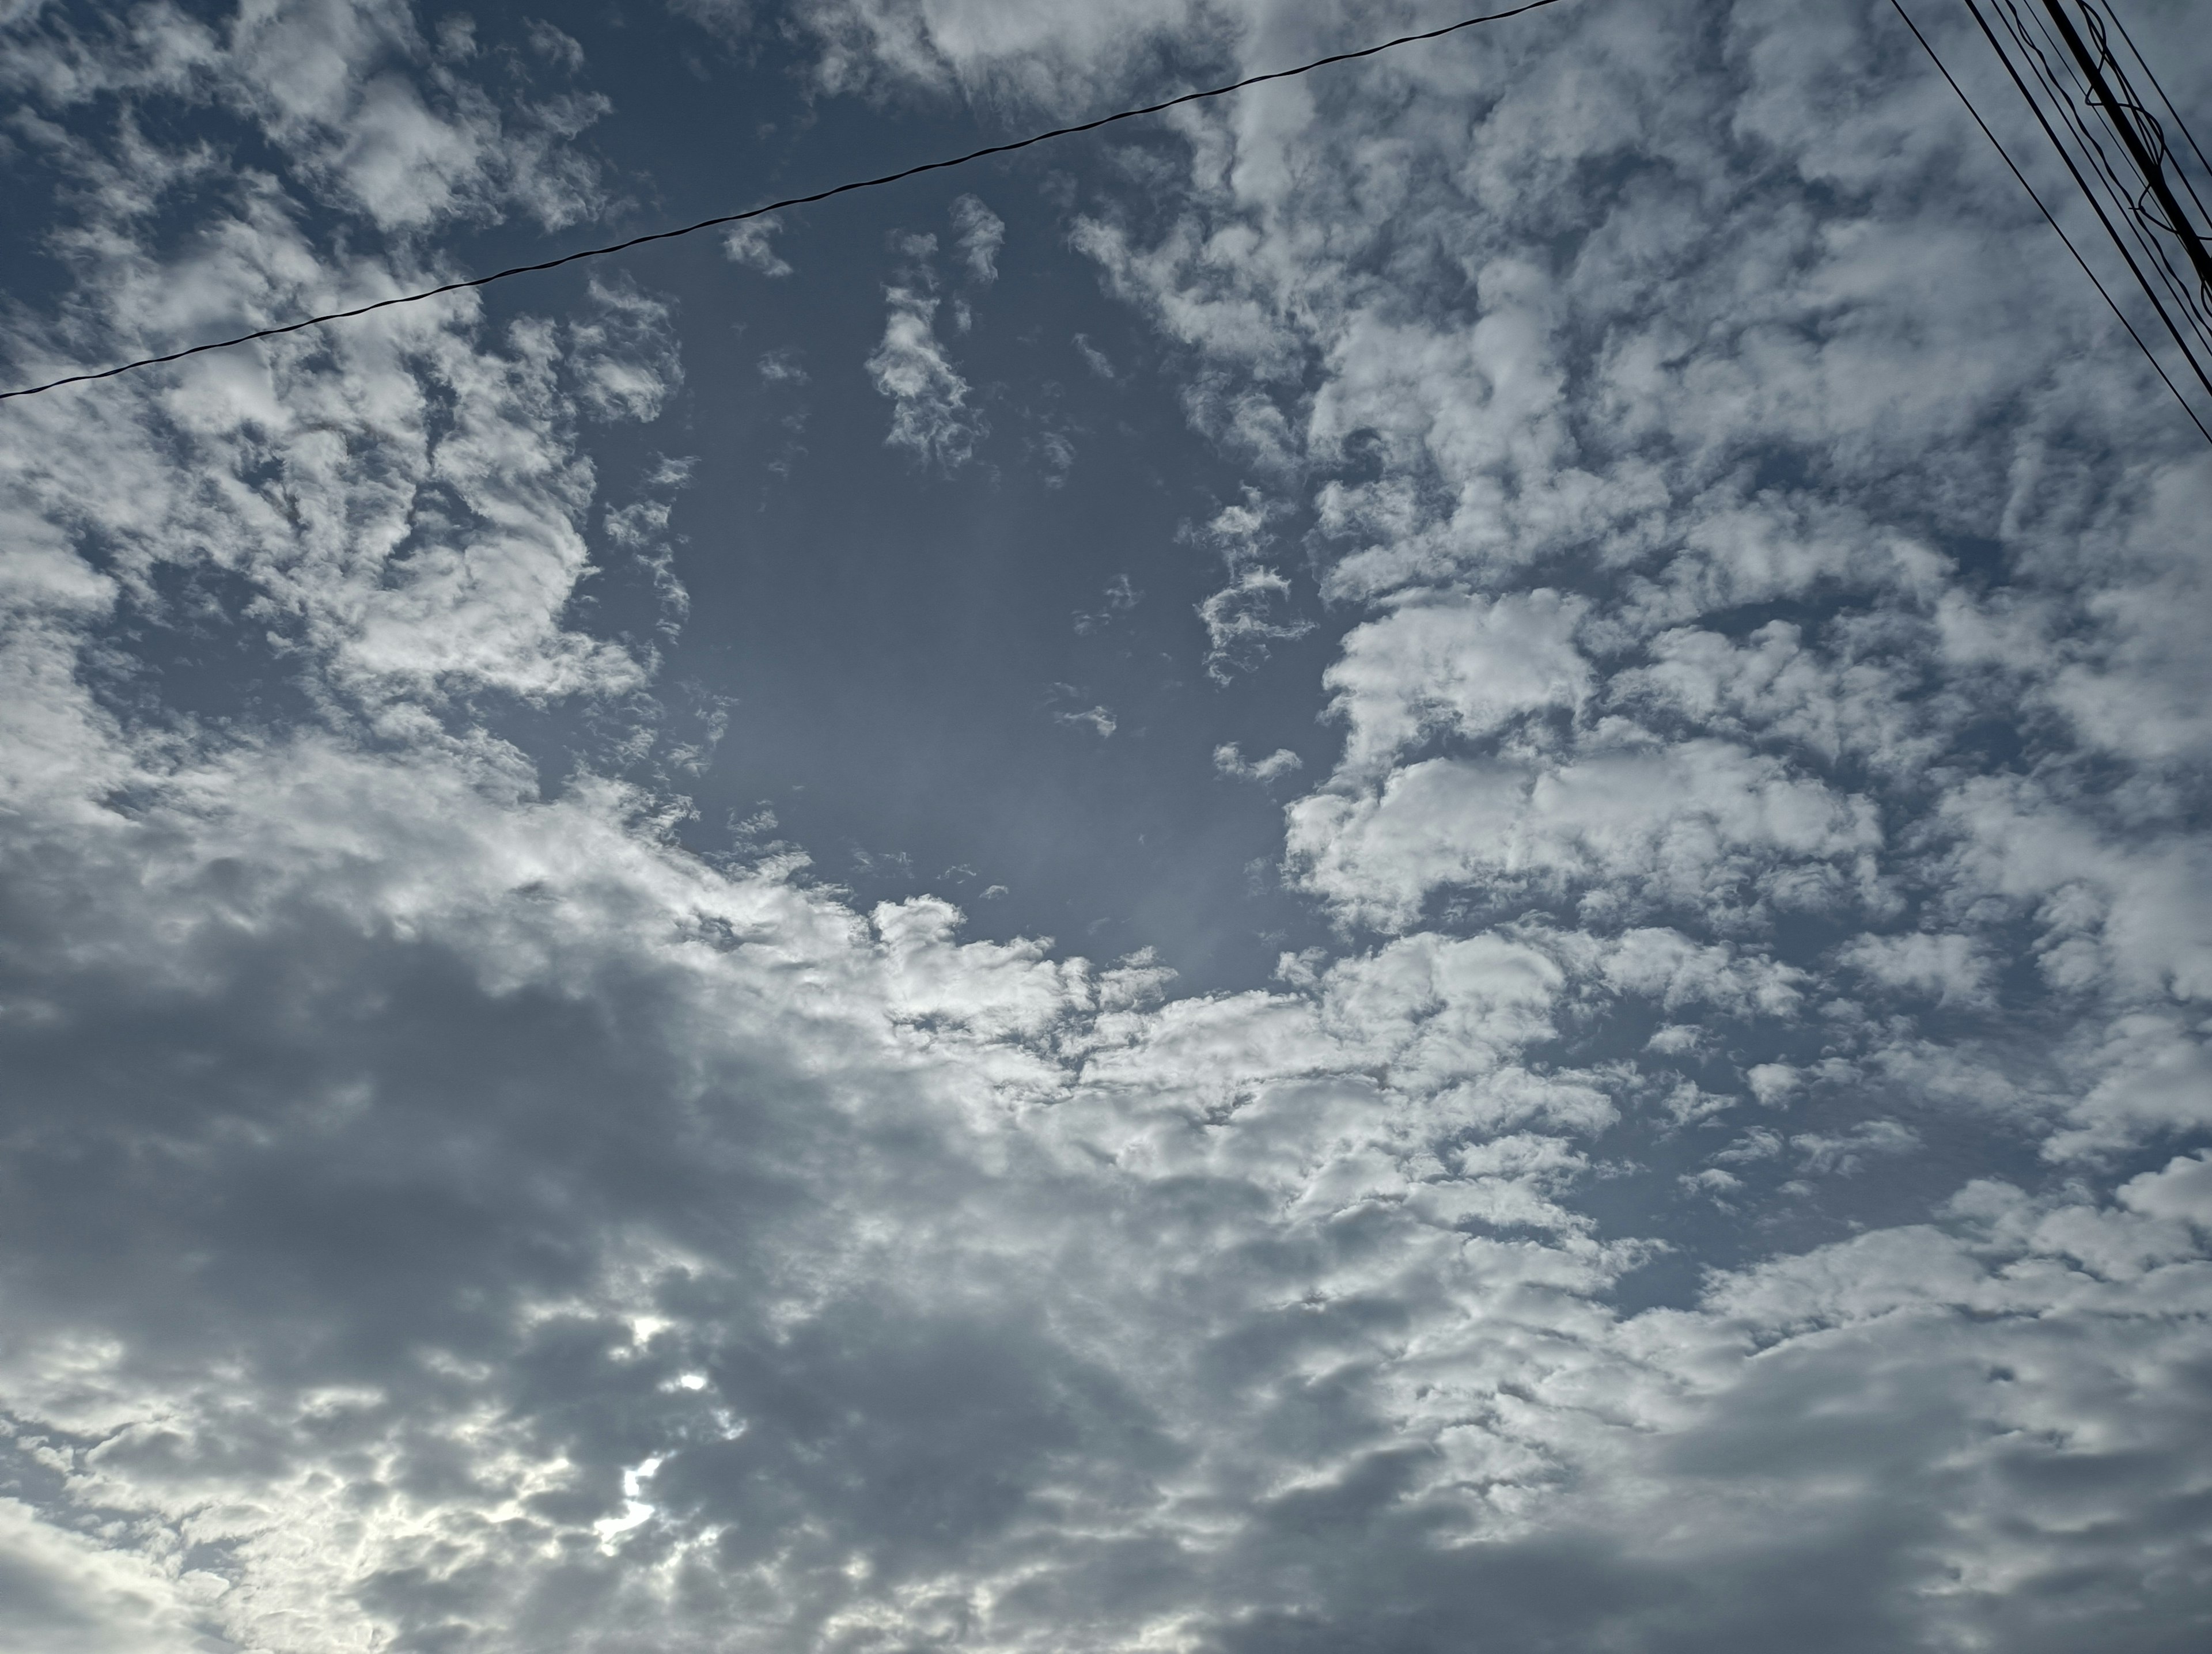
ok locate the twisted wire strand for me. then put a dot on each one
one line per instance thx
(2128, 204)
(2011, 165)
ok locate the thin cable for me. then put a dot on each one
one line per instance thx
(2147, 126)
(2053, 222)
(2156, 252)
(2088, 193)
(2151, 74)
(792, 201)
(2151, 167)
(2116, 191)
(2096, 206)
(2096, 22)
(2124, 202)
(2141, 135)
(2117, 195)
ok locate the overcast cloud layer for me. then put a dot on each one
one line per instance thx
(1702, 604)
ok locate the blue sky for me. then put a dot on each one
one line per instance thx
(1414, 863)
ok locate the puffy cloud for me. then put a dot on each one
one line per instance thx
(930, 415)
(349, 94)
(981, 233)
(752, 245)
(1950, 968)
(1453, 665)
(65, 1593)
(1038, 52)
(442, 1211)
(1698, 825)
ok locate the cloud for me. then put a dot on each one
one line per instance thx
(730, 19)
(624, 358)
(982, 233)
(930, 415)
(1700, 825)
(1453, 665)
(1041, 54)
(352, 100)
(1242, 618)
(1095, 358)
(1950, 967)
(748, 243)
(442, 1210)
(1844, 1154)
(64, 1594)
(1232, 763)
(1120, 596)
(781, 368)
(1098, 719)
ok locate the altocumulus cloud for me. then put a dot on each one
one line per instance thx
(443, 1212)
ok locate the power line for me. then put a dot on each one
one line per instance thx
(2103, 218)
(2156, 366)
(2151, 75)
(792, 201)
(2127, 207)
(2119, 107)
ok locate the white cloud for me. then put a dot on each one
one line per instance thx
(782, 367)
(1096, 359)
(1244, 618)
(1230, 761)
(1668, 966)
(624, 358)
(1454, 665)
(751, 245)
(1043, 54)
(1844, 1154)
(1119, 597)
(930, 415)
(1953, 969)
(67, 1594)
(982, 233)
(1698, 825)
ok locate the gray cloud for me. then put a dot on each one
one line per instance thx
(441, 1211)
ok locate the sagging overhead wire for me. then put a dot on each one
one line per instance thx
(2012, 166)
(2053, 86)
(2057, 72)
(2054, 71)
(2142, 133)
(779, 206)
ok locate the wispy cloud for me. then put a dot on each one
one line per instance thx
(981, 233)
(930, 415)
(1230, 761)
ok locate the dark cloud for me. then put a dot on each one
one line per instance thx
(1717, 1163)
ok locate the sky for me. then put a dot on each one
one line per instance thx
(1414, 863)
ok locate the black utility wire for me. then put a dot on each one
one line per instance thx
(2155, 365)
(2155, 252)
(792, 201)
(2088, 193)
(2137, 113)
(2097, 26)
(2186, 290)
(2103, 218)
(2152, 167)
